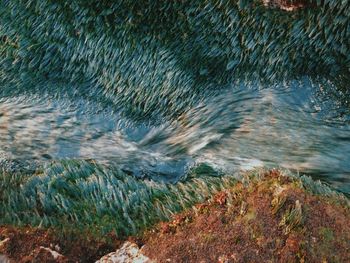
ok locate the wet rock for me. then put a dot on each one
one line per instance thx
(128, 253)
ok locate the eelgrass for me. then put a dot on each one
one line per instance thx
(92, 197)
(160, 57)
(151, 58)
(84, 195)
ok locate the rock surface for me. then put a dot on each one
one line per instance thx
(43, 254)
(26, 244)
(128, 253)
(268, 217)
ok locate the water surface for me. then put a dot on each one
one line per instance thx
(302, 125)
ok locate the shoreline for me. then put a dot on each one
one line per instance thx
(267, 216)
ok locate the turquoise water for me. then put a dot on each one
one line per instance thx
(301, 125)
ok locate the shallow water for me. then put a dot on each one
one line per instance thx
(302, 125)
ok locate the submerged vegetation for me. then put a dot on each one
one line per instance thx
(164, 63)
(84, 195)
(161, 57)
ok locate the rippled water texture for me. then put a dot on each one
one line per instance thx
(301, 125)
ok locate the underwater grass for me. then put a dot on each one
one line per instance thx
(86, 195)
(151, 58)
(160, 57)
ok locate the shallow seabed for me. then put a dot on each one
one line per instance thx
(302, 125)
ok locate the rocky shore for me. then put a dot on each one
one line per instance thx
(267, 217)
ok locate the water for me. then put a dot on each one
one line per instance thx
(302, 125)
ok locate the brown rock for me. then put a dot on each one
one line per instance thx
(44, 254)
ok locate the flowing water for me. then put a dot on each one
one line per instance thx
(302, 125)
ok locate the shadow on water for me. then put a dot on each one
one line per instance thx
(302, 125)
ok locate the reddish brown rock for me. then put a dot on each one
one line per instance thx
(272, 219)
